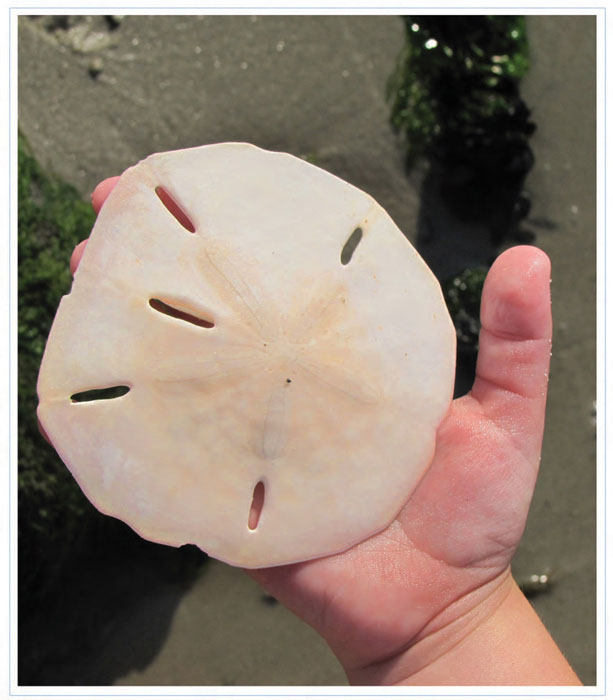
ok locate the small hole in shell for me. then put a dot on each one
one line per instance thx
(109, 392)
(175, 209)
(350, 245)
(257, 503)
(168, 310)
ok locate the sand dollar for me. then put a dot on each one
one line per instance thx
(285, 357)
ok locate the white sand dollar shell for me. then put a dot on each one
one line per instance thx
(322, 380)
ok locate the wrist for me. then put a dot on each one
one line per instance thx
(490, 636)
(439, 636)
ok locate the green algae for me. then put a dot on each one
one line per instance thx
(455, 89)
(52, 218)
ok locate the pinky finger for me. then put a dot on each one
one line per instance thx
(99, 195)
(76, 256)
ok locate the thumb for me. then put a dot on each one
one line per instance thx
(515, 346)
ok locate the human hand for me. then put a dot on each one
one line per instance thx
(427, 586)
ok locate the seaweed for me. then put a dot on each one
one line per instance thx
(52, 511)
(455, 97)
(462, 294)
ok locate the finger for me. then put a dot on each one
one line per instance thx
(102, 191)
(99, 195)
(515, 345)
(76, 256)
(42, 431)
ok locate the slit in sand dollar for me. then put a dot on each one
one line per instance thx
(257, 504)
(174, 312)
(174, 208)
(350, 245)
(289, 358)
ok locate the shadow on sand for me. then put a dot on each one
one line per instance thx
(108, 613)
